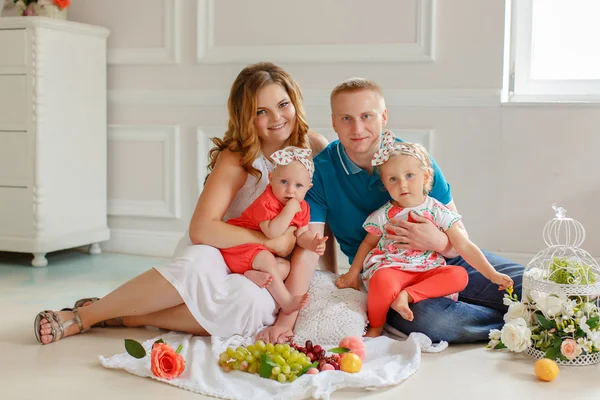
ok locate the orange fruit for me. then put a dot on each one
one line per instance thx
(350, 362)
(546, 369)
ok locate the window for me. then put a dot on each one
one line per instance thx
(551, 50)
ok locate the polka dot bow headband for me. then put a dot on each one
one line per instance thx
(388, 144)
(289, 154)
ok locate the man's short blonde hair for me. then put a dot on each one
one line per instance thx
(355, 85)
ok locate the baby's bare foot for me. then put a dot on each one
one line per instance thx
(261, 279)
(400, 304)
(295, 303)
(374, 332)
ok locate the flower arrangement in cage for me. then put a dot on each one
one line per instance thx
(558, 315)
(48, 8)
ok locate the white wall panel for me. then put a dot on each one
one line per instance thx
(160, 169)
(142, 31)
(314, 38)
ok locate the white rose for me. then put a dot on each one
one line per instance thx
(538, 274)
(494, 334)
(517, 310)
(549, 305)
(516, 336)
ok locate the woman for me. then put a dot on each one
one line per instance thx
(195, 292)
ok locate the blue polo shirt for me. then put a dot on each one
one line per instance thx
(344, 195)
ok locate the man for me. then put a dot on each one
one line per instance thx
(346, 189)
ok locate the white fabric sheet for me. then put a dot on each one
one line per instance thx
(388, 362)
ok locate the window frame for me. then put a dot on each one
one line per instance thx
(518, 85)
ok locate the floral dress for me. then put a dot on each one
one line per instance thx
(386, 255)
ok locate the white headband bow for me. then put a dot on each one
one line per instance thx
(388, 143)
(289, 154)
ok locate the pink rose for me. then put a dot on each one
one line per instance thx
(166, 363)
(569, 349)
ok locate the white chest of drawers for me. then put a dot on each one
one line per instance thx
(53, 124)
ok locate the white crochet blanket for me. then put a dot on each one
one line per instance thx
(388, 362)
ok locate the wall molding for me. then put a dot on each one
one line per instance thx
(420, 51)
(393, 98)
(147, 243)
(203, 145)
(170, 205)
(168, 54)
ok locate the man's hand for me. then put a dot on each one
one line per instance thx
(348, 280)
(275, 334)
(317, 244)
(284, 244)
(421, 234)
(293, 205)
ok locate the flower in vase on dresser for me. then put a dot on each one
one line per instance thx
(45, 8)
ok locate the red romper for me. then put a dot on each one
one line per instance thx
(266, 207)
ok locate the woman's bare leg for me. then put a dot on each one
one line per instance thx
(144, 294)
(178, 318)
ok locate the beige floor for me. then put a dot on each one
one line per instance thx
(70, 369)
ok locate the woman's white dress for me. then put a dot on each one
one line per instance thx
(223, 303)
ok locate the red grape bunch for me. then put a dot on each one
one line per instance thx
(318, 354)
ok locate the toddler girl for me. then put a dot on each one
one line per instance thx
(394, 278)
(281, 205)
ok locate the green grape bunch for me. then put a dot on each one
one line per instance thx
(278, 362)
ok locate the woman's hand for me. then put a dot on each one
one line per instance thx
(275, 334)
(348, 280)
(419, 235)
(284, 244)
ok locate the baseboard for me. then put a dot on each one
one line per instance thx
(147, 243)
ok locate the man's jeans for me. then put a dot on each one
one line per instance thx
(479, 307)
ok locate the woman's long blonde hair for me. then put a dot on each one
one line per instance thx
(241, 135)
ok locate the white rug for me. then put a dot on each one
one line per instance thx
(388, 362)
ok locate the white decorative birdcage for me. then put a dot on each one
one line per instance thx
(561, 286)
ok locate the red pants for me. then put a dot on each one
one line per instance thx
(387, 283)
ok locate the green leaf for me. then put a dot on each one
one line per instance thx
(580, 333)
(266, 366)
(593, 322)
(339, 350)
(179, 348)
(134, 348)
(500, 346)
(303, 370)
(552, 353)
(547, 324)
(557, 342)
(158, 341)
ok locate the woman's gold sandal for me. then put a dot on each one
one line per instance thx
(102, 324)
(58, 328)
